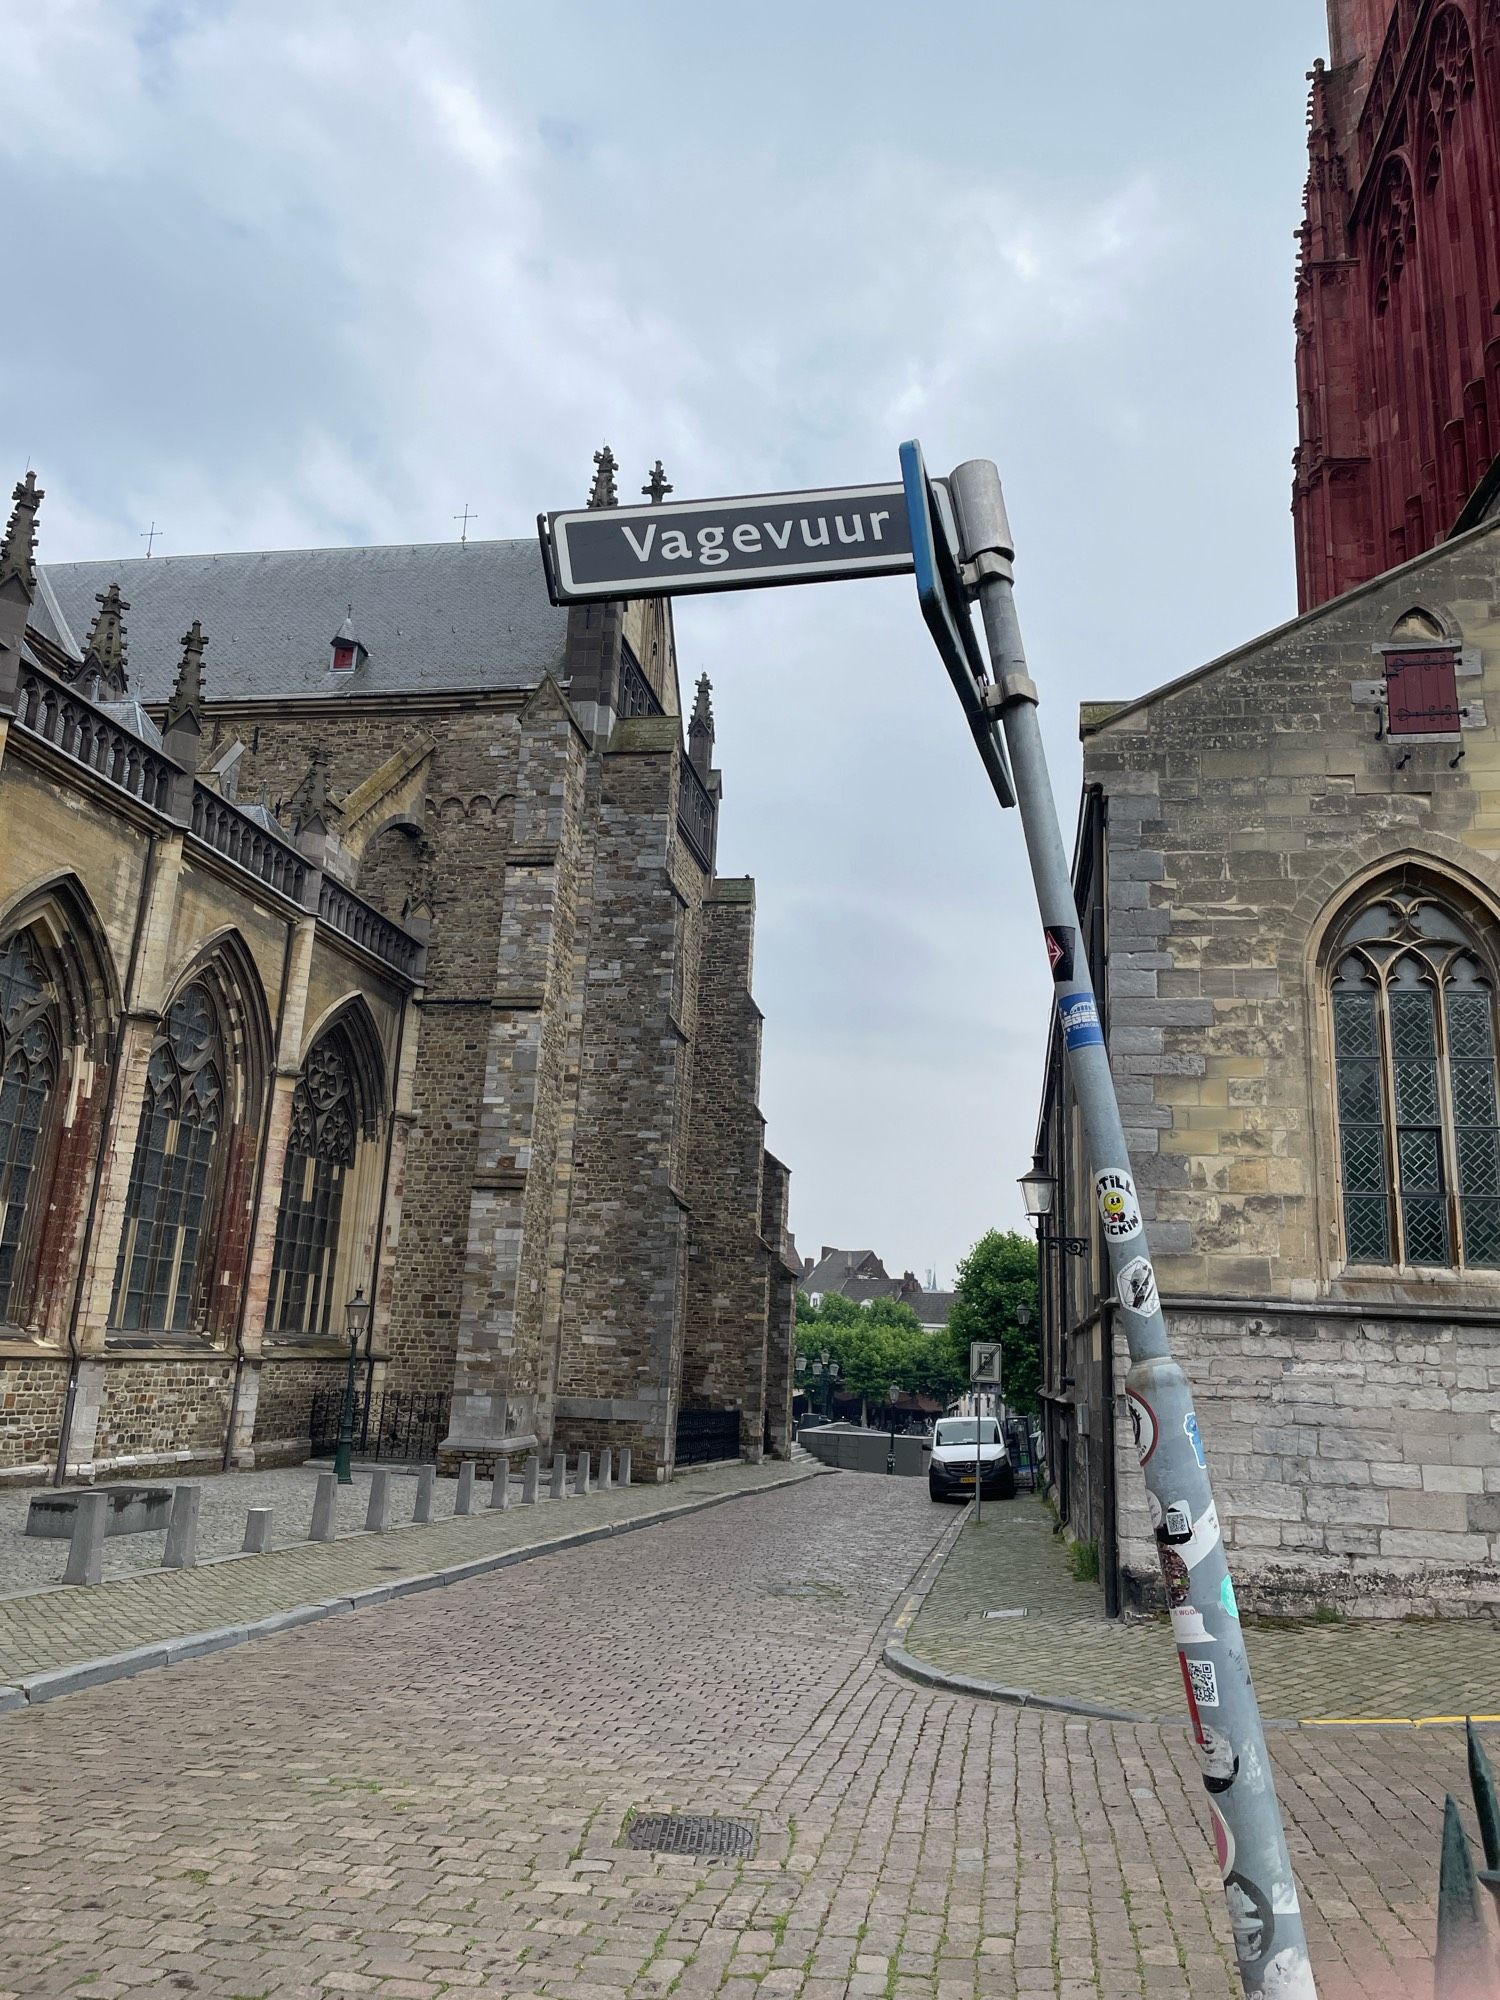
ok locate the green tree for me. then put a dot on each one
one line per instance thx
(999, 1274)
(874, 1345)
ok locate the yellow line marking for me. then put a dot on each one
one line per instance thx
(1393, 1721)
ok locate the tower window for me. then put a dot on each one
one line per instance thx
(1421, 692)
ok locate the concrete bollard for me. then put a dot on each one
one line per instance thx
(625, 1465)
(257, 1531)
(464, 1501)
(559, 1475)
(421, 1513)
(583, 1475)
(86, 1549)
(378, 1513)
(325, 1508)
(182, 1528)
(531, 1479)
(606, 1469)
(500, 1490)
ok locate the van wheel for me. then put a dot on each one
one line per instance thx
(932, 1488)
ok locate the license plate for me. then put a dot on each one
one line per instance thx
(966, 1479)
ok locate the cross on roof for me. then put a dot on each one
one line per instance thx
(466, 517)
(656, 486)
(148, 536)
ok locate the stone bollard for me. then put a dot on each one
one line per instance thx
(500, 1491)
(582, 1477)
(531, 1479)
(464, 1500)
(606, 1469)
(625, 1465)
(325, 1508)
(421, 1513)
(257, 1531)
(559, 1475)
(182, 1528)
(86, 1549)
(378, 1514)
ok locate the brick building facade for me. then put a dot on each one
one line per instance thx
(1398, 284)
(488, 828)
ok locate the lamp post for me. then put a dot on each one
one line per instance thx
(893, 1393)
(1039, 1192)
(356, 1320)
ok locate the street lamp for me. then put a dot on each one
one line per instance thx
(893, 1392)
(356, 1321)
(1039, 1192)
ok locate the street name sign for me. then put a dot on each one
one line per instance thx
(945, 607)
(742, 543)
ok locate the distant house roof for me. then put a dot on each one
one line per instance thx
(933, 1308)
(437, 617)
(836, 1270)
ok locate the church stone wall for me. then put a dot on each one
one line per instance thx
(1243, 809)
(724, 1344)
(620, 1333)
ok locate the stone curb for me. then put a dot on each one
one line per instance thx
(895, 1656)
(33, 1689)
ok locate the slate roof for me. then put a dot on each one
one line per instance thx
(437, 617)
(835, 1270)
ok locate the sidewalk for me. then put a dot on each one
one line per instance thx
(57, 1627)
(1064, 1651)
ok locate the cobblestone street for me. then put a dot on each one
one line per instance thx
(429, 1797)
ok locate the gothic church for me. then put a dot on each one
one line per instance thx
(360, 934)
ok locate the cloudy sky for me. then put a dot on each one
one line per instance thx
(298, 274)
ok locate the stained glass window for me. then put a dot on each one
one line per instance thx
(319, 1158)
(169, 1204)
(1414, 1048)
(29, 1061)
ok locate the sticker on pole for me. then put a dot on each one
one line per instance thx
(1143, 1423)
(1119, 1210)
(1080, 1021)
(1136, 1286)
(1204, 1680)
(1059, 949)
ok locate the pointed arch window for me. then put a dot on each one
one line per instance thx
(326, 1123)
(172, 1178)
(30, 1060)
(1413, 1005)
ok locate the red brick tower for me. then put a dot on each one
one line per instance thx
(1398, 289)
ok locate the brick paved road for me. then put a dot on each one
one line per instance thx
(425, 1799)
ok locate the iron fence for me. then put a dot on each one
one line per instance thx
(403, 1424)
(705, 1435)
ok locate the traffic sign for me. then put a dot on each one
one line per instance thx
(945, 606)
(742, 543)
(984, 1363)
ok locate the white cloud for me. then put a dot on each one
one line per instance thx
(328, 273)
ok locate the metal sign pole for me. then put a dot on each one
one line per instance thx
(1269, 1940)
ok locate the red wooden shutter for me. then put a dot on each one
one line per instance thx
(1421, 692)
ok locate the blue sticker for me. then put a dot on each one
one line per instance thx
(1080, 1021)
(1227, 1597)
(1190, 1425)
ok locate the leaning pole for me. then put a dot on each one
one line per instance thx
(1269, 1941)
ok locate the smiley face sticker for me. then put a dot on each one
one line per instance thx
(1119, 1210)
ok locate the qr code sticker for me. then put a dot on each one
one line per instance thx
(1204, 1683)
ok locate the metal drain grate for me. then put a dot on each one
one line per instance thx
(691, 1833)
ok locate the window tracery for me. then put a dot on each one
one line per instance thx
(1414, 1047)
(320, 1159)
(169, 1206)
(30, 1060)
